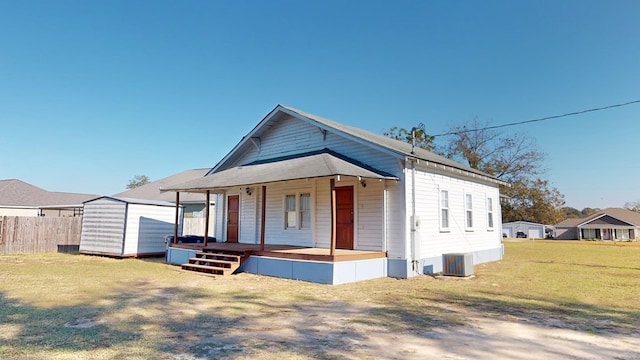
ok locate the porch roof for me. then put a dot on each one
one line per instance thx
(317, 164)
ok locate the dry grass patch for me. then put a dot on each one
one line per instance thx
(57, 306)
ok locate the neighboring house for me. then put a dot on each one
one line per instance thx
(607, 224)
(530, 229)
(302, 180)
(193, 204)
(18, 198)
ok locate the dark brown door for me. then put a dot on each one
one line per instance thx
(344, 217)
(233, 207)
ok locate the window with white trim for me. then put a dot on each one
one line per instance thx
(468, 207)
(305, 211)
(290, 214)
(490, 213)
(444, 210)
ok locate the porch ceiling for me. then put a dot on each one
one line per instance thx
(304, 166)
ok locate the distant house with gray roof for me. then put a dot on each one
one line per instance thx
(18, 198)
(616, 224)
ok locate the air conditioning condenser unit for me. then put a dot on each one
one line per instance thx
(457, 264)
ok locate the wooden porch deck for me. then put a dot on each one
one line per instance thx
(287, 251)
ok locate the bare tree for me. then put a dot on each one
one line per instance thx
(633, 205)
(512, 158)
(509, 158)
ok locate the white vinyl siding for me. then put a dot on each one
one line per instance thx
(248, 217)
(432, 242)
(147, 225)
(369, 231)
(281, 199)
(119, 228)
(293, 136)
(103, 226)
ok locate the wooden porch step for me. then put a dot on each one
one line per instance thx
(219, 256)
(214, 262)
(208, 270)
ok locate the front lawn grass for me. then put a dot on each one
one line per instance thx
(60, 306)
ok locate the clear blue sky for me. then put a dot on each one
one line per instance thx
(95, 92)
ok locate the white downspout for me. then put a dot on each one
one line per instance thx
(385, 218)
(413, 214)
(414, 263)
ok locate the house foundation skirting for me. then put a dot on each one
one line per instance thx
(338, 272)
(402, 268)
(331, 273)
(323, 272)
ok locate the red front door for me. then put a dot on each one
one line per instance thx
(344, 217)
(233, 207)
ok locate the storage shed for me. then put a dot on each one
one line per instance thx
(125, 227)
(529, 229)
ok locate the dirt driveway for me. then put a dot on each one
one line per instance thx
(337, 330)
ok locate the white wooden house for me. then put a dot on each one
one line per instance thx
(303, 181)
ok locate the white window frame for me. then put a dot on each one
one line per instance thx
(294, 215)
(304, 214)
(468, 211)
(445, 213)
(490, 217)
(290, 214)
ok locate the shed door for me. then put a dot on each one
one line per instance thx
(233, 212)
(344, 217)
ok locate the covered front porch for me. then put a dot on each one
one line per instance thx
(601, 232)
(311, 217)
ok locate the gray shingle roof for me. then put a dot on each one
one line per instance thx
(14, 192)
(151, 191)
(304, 166)
(625, 215)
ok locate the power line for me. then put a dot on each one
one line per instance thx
(541, 119)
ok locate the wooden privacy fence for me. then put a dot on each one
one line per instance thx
(30, 235)
(194, 226)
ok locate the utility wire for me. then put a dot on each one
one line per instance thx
(541, 119)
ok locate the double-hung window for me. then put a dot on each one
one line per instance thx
(305, 211)
(468, 207)
(297, 211)
(290, 213)
(444, 210)
(490, 213)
